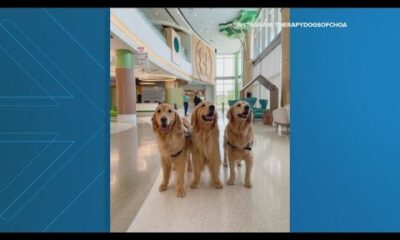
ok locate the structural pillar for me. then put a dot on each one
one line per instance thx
(125, 82)
(237, 76)
(173, 94)
(247, 61)
(285, 37)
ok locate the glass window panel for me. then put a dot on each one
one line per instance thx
(272, 20)
(220, 67)
(229, 67)
(279, 15)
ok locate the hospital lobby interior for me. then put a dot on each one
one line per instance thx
(221, 55)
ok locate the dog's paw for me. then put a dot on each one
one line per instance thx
(180, 193)
(194, 185)
(162, 187)
(231, 182)
(248, 184)
(218, 185)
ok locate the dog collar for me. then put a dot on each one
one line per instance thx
(176, 154)
(248, 146)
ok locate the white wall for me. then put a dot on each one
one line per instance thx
(270, 67)
(137, 25)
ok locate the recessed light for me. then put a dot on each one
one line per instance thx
(195, 15)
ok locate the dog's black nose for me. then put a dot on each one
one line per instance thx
(211, 108)
(163, 120)
(247, 107)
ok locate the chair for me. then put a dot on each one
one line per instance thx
(259, 112)
(231, 102)
(252, 101)
(114, 112)
(281, 117)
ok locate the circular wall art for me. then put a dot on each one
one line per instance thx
(176, 44)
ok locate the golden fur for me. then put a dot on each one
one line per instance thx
(205, 144)
(239, 134)
(171, 140)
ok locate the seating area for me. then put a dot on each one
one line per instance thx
(281, 117)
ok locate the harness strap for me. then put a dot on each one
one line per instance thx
(248, 146)
(176, 154)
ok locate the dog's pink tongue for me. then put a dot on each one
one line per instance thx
(164, 128)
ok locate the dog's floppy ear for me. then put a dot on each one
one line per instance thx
(177, 121)
(250, 117)
(193, 118)
(229, 115)
(154, 122)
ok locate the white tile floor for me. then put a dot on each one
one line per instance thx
(265, 207)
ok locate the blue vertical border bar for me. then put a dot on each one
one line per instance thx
(107, 149)
(55, 120)
(345, 156)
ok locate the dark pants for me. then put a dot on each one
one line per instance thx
(186, 106)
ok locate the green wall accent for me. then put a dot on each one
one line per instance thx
(176, 44)
(124, 58)
(113, 97)
(237, 75)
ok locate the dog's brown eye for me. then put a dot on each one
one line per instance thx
(170, 111)
(239, 105)
(203, 105)
(158, 110)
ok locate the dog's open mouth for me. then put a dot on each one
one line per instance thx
(209, 117)
(164, 128)
(243, 114)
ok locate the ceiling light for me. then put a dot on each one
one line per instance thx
(147, 83)
(195, 14)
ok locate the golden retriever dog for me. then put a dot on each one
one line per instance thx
(173, 145)
(205, 144)
(238, 140)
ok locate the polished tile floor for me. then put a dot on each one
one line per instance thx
(134, 168)
(138, 206)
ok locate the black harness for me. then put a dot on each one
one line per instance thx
(248, 146)
(176, 154)
(187, 135)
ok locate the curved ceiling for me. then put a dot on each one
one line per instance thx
(205, 21)
(202, 21)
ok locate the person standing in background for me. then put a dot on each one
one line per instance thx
(185, 102)
(196, 99)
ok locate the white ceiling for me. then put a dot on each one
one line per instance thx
(205, 21)
(166, 17)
